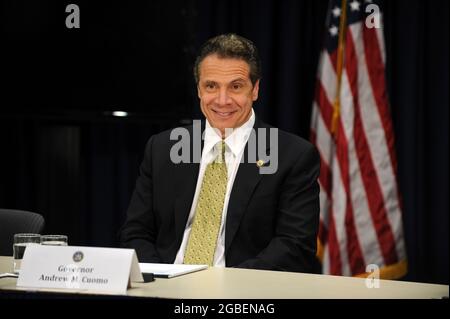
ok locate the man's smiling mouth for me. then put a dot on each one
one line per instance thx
(224, 114)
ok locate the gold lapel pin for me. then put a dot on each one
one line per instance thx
(260, 163)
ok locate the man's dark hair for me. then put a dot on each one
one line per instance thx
(231, 46)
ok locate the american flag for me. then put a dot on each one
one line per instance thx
(361, 217)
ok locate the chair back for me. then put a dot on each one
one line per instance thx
(17, 221)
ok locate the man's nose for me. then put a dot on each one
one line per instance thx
(223, 98)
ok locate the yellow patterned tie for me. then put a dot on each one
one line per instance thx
(208, 214)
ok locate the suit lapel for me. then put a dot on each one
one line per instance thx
(246, 180)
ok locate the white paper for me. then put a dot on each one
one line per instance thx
(169, 270)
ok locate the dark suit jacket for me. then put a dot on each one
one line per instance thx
(272, 220)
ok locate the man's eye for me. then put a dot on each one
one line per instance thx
(210, 86)
(236, 86)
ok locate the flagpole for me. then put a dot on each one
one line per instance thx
(340, 65)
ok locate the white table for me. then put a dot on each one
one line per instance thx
(233, 283)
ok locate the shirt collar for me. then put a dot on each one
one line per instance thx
(235, 141)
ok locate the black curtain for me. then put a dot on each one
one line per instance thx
(77, 165)
(417, 38)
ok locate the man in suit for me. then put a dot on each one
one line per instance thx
(222, 210)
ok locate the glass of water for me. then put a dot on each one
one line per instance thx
(21, 241)
(54, 240)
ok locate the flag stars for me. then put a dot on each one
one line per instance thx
(354, 5)
(333, 30)
(336, 12)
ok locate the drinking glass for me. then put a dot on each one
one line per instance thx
(54, 240)
(21, 241)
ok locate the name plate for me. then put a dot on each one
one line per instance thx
(89, 269)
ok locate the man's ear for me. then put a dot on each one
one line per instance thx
(255, 91)
(198, 91)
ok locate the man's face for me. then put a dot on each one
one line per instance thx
(226, 92)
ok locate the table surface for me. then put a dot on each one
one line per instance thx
(234, 283)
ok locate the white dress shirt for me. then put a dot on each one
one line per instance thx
(235, 145)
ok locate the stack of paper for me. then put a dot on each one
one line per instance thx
(169, 270)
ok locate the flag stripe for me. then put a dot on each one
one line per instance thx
(325, 175)
(365, 231)
(377, 124)
(333, 60)
(326, 109)
(355, 263)
(334, 251)
(351, 248)
(384, 146)
(369, 173)
(375, 72)
(324, 182)
(356, 259)
(327, 78)
(337, 241)
(379, 41)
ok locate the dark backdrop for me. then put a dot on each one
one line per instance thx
(64, 155)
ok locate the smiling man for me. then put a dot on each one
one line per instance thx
(223, 211)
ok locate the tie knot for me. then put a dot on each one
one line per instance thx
(221, 150)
